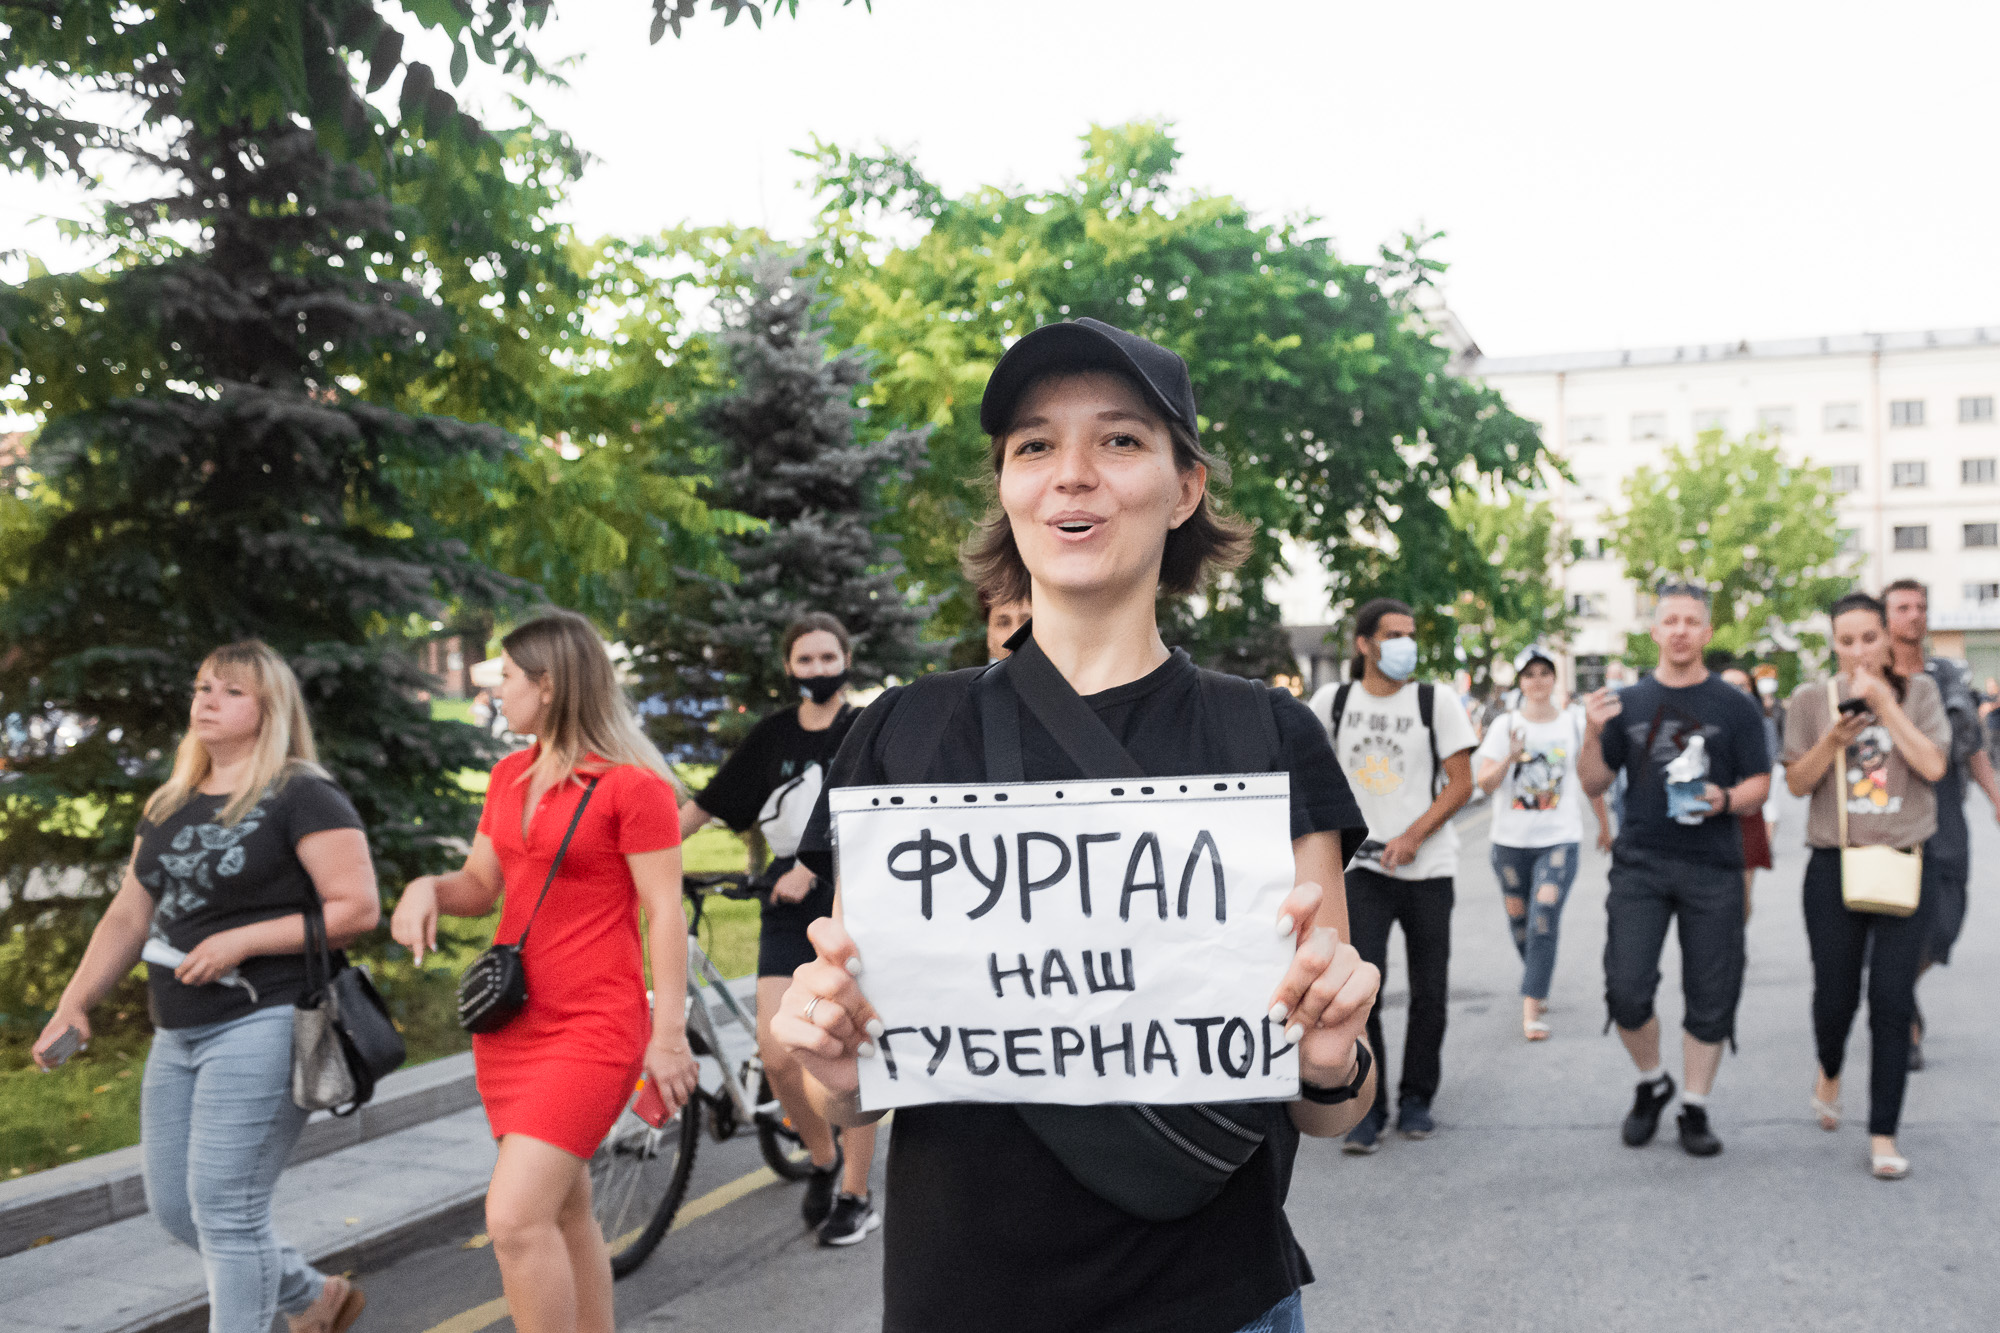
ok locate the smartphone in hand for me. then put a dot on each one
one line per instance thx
(651, 1106)
(1854, 707)
(62, 1048)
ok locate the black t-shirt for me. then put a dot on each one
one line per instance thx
(207, 877)
(1655, 726)
(777, 750)
(986, 1231)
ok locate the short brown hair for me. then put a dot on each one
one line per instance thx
(1907, 585)
(815, 622)
(1208, 542)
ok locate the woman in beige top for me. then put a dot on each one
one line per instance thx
(1894, 750)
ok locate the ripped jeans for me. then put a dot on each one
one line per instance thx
(1535, 882)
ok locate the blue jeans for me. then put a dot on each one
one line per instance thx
(216, 1123)
(1525, 874)
(1287, 1316)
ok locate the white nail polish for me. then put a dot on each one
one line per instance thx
(854, 967)
(866, 1050)
(1294, 1033)
(873, 1027)
(1285, 925)
(1278, 1012)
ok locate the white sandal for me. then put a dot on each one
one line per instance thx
(1534, 1029)
(1888, 1166)
(1828, 1113)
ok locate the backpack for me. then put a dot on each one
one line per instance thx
(1426, 712)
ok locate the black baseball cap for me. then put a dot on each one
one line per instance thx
(1088, 344)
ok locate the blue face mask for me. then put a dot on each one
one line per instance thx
(1398, 659)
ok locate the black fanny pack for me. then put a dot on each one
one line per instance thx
(1159, 1163)
(495, 987)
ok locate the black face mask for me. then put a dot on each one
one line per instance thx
(821, 688)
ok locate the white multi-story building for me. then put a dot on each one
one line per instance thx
(1906, 421)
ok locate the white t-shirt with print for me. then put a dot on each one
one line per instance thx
(1381, 747)
(1539, 802)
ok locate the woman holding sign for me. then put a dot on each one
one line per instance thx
(771, 783)
(1001, 1219)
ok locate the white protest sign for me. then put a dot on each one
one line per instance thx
(1071, 942)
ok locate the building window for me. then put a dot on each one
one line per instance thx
(1585, 605)
(1777, 421)
(1648, 426)
(1974, 411)
(1590, 548)
(1906, 474)
(1850, 538)
(1586, 430)
(1982, 534)
(1710, 418)
(1976, 471)
(1846, 478)
(1842, 416)
(1981, 594)
(1906, 412)
(1916, 537)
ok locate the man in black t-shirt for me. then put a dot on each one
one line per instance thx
(1678, 855)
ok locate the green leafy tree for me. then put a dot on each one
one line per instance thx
(1320, 381)
(1738, 518)
(786, 450)
(1522, 601)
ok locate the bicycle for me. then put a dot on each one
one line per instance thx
(639, 1174)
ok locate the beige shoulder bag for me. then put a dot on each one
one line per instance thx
(1883, 880)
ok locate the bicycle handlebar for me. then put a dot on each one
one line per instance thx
(724, 883)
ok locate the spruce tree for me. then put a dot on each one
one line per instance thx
(784, 449)
(235, 489)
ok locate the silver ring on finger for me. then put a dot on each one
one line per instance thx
(807, 1012)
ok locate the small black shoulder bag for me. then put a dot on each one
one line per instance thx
(495, 987)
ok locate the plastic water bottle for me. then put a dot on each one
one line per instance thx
(1687, 775)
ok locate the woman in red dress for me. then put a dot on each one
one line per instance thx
(556, 1077)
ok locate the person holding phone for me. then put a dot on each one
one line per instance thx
(1102, 506)
(245, 828)
(593, 790)
(1527, 764)
(771, 783)
(1893, 738)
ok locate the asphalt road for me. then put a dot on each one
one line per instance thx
(1525, 1211)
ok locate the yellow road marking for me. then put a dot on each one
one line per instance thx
(492, 1312)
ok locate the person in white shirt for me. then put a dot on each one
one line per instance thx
(1527, 763)
(1407, 751)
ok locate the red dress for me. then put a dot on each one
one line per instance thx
(565, 1066)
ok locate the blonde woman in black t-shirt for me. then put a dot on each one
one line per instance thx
(1103, 505)
(245, 827)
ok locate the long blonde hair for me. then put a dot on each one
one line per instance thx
(587, 712)
(284, 735)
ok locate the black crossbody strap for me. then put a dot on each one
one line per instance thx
(556, 864)
(1073, 723)
(1000, 725)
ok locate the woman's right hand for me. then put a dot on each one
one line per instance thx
(1848, 730)
(842, 1021)
(65, 1018)
(415, 922)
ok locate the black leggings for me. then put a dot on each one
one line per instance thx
(1842, 943)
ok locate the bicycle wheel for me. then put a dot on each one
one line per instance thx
(638, 1177)
(784, 1151)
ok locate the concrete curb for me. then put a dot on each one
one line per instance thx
(80, 1196)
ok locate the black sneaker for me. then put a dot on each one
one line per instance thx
(1366, 1137)
(1643, 1121)
(853, 1217)
(1413, 1119)
(1696, 1137)
(821, 1186)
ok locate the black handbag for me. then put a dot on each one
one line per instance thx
(495, 987)
(343, 1039)
(1159, 1163)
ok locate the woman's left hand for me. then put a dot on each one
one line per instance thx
(212, 958)
(670, 1063)
(1326, 994)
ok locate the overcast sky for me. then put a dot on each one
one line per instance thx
(1609, 174)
